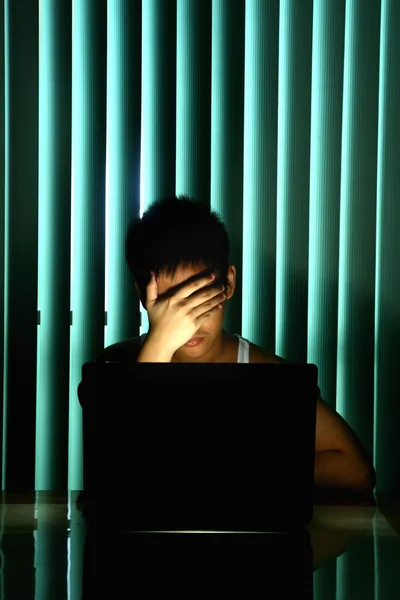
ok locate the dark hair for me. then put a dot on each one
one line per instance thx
(176, 232)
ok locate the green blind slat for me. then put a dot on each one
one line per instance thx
(2, 229)
(325, 162)
(123, 162)
(227, 110)
(193, 92)
(88, 206)
(387, 290)
(158, 137)
(259, 171)
(355, 353)
(293, 166)
(54, 245)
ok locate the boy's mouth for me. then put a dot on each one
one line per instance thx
(195, 341)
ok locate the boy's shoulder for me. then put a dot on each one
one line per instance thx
(259, 355)
(126, 350)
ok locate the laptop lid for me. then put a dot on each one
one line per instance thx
(210, 447)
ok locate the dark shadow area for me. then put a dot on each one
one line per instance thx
(331, 496)
(219, 565)
(389, 505)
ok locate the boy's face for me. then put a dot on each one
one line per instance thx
(211, 330)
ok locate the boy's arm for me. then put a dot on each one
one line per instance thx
(120, 352)
(341, 462)
(340, 459)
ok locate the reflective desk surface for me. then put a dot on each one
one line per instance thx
(47, 551)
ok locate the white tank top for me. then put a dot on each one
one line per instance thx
(243, 350)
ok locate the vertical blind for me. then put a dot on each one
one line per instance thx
(284, 116)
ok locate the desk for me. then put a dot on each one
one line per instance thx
(45, 553)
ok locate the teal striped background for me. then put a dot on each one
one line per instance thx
(283, 115)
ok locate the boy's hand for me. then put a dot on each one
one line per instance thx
(176, 319)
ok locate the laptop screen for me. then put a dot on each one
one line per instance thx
(201, 446)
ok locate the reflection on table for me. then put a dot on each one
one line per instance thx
(47, 551)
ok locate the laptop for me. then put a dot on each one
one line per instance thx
(204, 447)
